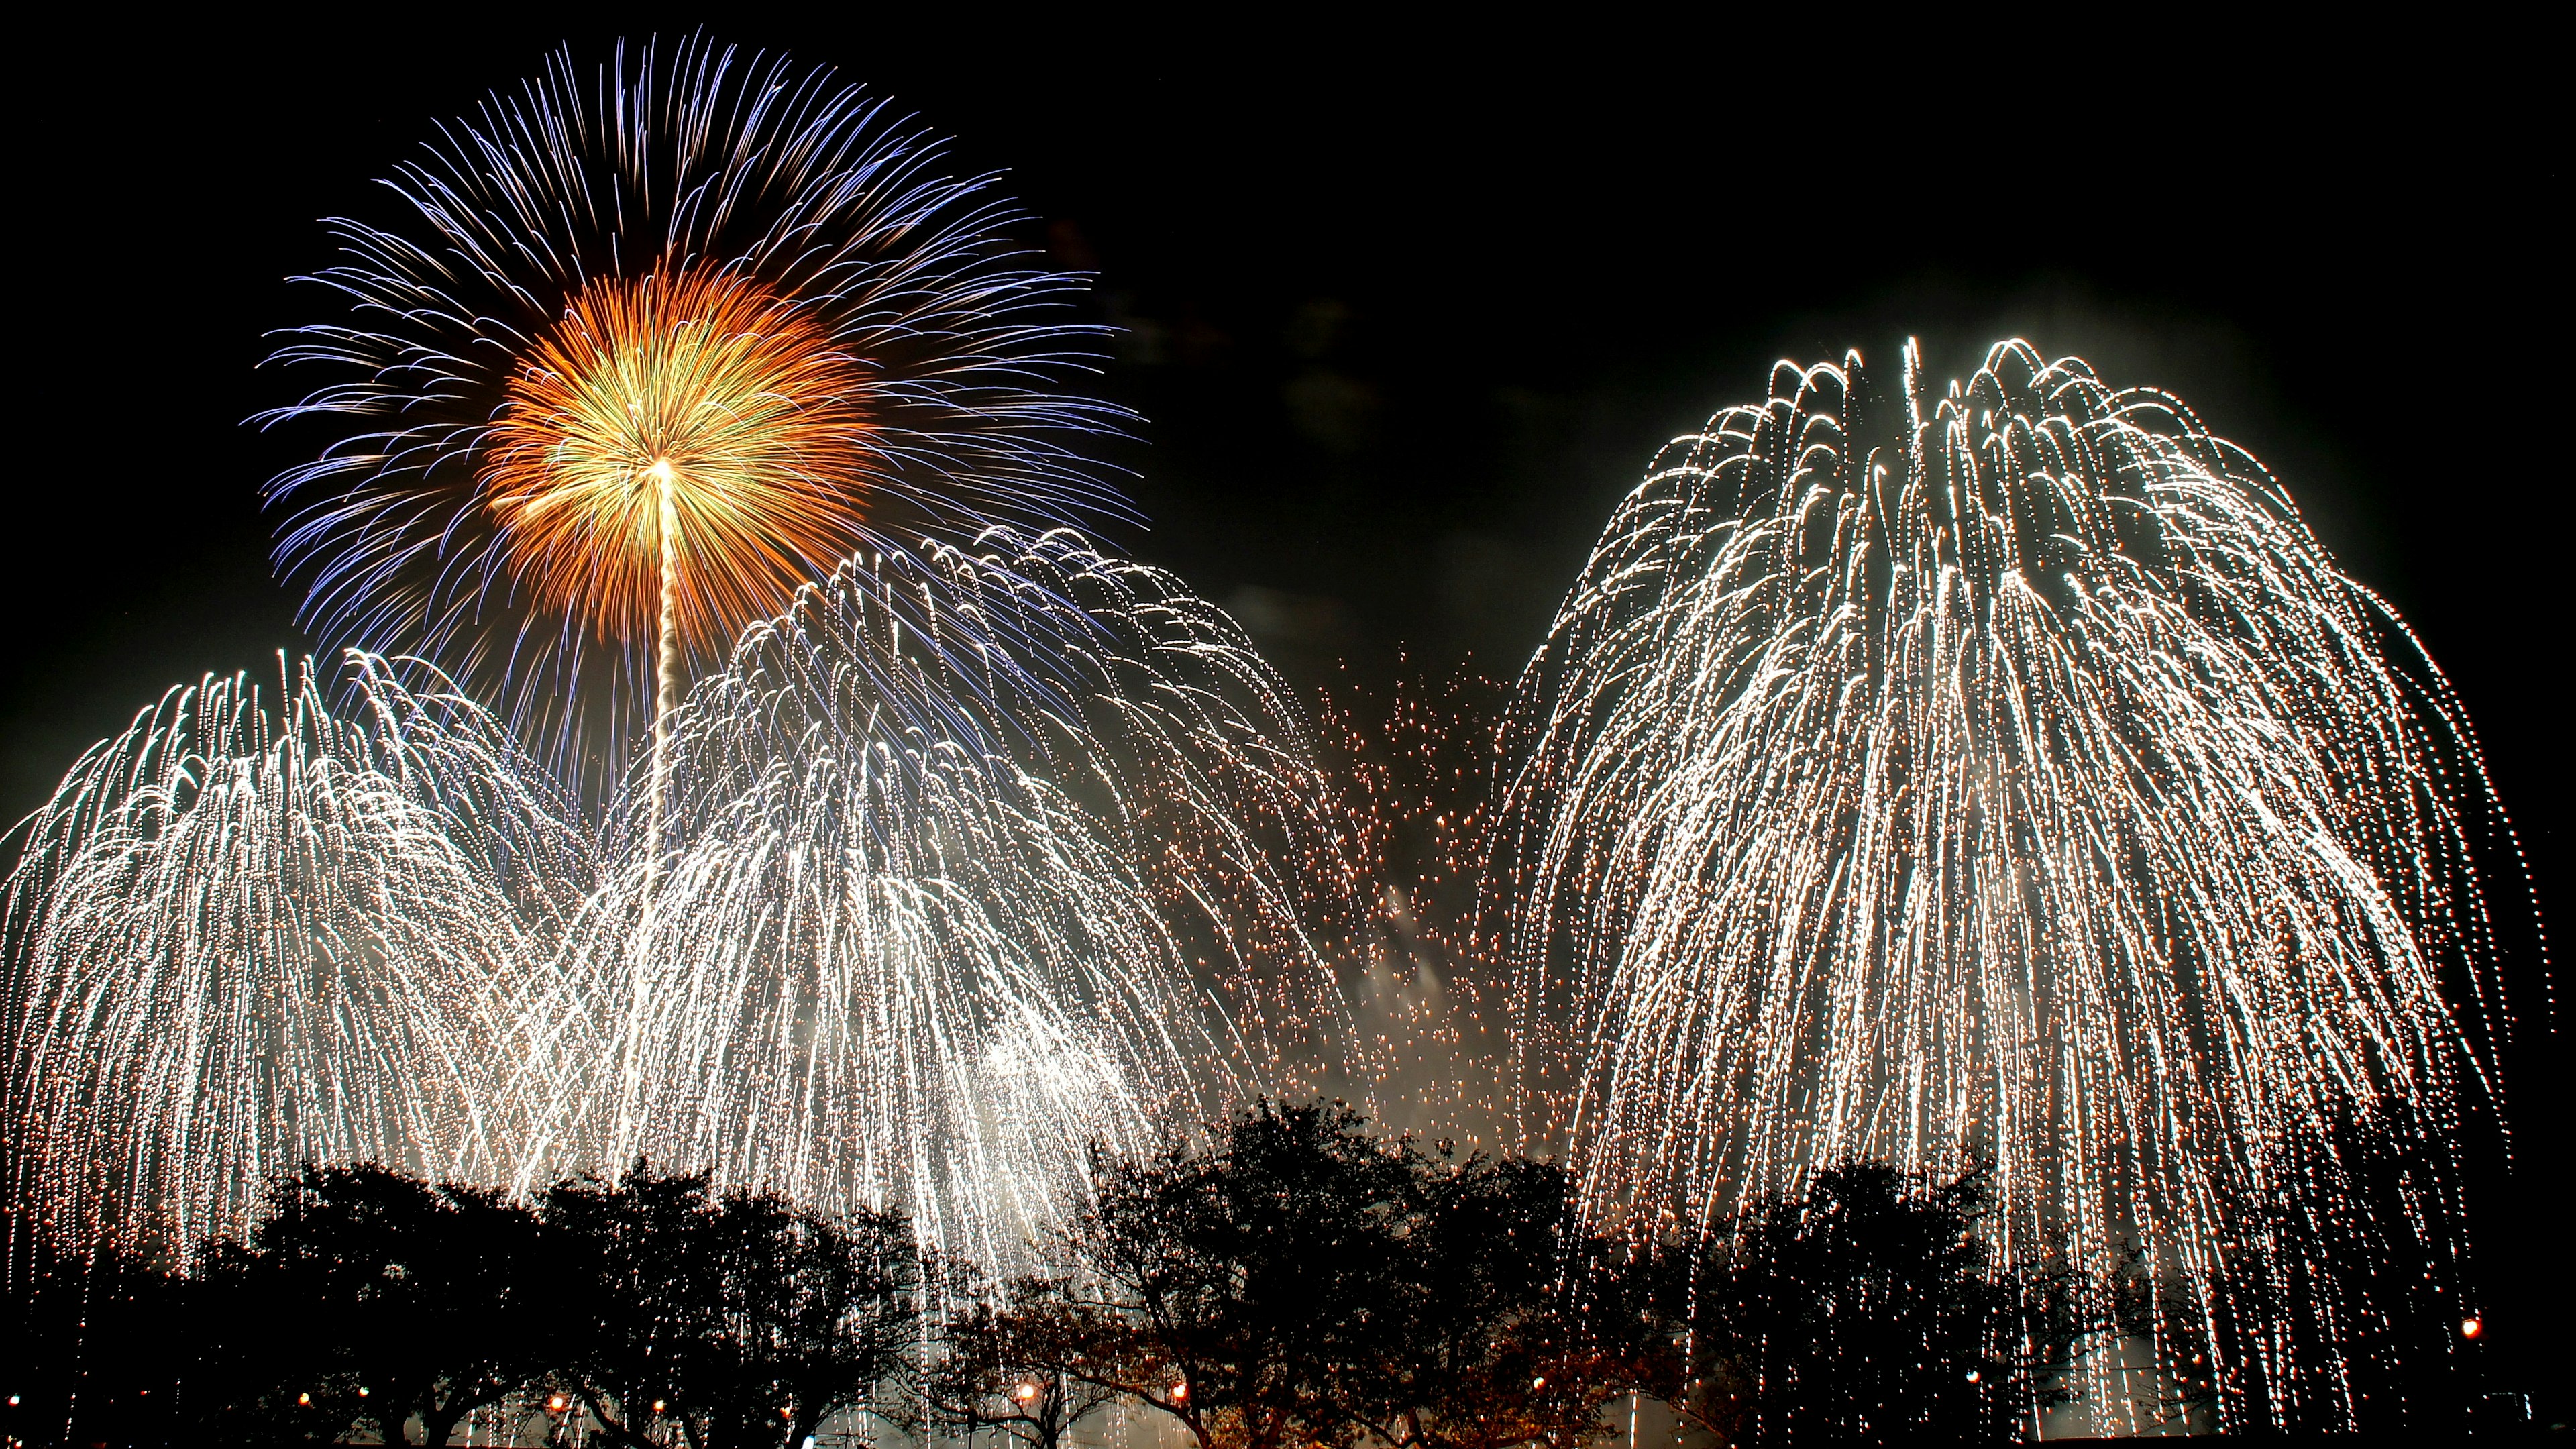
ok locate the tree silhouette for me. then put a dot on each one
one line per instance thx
(1868, 1309)
(744, 1319)
(1306, 1283)
(391, 1298)
(1013, 1363)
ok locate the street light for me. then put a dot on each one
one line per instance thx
(1025, 1392)
(2471, 1328)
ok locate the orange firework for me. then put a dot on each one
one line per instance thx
(669, 458)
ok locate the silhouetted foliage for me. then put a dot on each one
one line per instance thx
(1305, 1282)
(743, 1319)
(1013, 1363)
(427, 1298)
(1300, 1281)
(1868, 1309)
(2356, 1244)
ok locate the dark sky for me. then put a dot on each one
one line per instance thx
(1411, 309)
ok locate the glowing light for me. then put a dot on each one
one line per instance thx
(2471, 1328)
(249, 936)
(1025, 1392)
(2010, 773)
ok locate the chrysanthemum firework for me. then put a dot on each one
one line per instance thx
(2010, 774)
(635, 351)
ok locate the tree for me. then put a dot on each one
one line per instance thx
(364, 1295)
(747, 1320)
(1869, 1308)
(1305, 1282)
(639, 1297)
(1220, 1286)
(1506, 1324)
(815, 1313)
(1012, 1363)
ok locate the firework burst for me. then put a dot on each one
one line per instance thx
(2011, 775)
(642, 351)
(244, 936)
(929, 929)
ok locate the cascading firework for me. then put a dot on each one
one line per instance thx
(242, 936)
(968, 862)
(927, 929)
(2004, 775)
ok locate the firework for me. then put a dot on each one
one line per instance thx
(2011, 775)
(243, 936)
(642, 351)
(927, 930)
(963, 864)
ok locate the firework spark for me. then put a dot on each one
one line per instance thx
(2007, 774)
(644, 352)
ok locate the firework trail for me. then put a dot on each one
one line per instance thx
(2006, 774)
(243, 936)
(642, 351)
(927, 929)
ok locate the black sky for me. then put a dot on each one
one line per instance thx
(1410, 308)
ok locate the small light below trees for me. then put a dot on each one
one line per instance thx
(2471, 1328)
(305, 1399)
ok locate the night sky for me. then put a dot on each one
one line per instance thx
(1408, 311)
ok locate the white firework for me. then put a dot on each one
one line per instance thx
(970, 864)
(243, 936)
(2009, 775)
